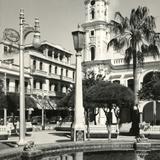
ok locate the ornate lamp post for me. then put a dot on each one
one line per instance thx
(13, 36)
(78, 128)
(24, 31)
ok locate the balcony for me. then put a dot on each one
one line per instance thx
(54, 76)
(16, 90)
(39, 72)
(68, 79)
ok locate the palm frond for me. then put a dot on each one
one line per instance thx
(119, 16)
(153, 50)
(117, 43)
(115, 27)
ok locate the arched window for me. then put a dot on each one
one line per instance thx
(92, 14)
(92, 53)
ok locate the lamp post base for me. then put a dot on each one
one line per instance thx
(21, 142)
(78, 134)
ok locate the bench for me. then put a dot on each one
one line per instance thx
(4, 132)
(151, 131)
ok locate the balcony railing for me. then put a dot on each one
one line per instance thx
(13, 67)
(39, 72)
(16, 90)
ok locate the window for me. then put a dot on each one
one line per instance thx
(92, 3)
(66, 72)
(34, 84)
(61, 71)
(55, 71)
(26, 87)
(50, 86)
(56, 88)
(92, 53)
(5, 48)
(7, 84)
(34, 64)
(41, 85)
(73, 75)
(92, 33)
(49, 53)
(50, 68)
(16, 85)
(131, 84)
(41, 66)
(92, 14)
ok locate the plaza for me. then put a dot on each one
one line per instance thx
(108, 86)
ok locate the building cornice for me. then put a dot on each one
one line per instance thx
(97, 24)
(87, 1)
(117, 67)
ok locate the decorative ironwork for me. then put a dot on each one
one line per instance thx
(79, 135)
(11, 35)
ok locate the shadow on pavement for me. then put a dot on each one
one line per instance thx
(61, 134)
(63, 140)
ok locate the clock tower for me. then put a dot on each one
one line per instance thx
(97, 33)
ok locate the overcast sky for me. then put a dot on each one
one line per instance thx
(58, 18)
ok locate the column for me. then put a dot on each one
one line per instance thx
(58, 70)
(52, 87)
(12, 85)
(53, 69)
(78, 132)
(45, 51)
(58, 56)
(101, 118)
(47, 85)
(37, 65)
(59, 87)
(64, 89)
(68, 60)
(31, 85)
(37, 85)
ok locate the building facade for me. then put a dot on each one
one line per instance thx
(47, 70)
(110, 63)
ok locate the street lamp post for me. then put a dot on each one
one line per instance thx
(13, 36)
(23, 32)
(78, 128)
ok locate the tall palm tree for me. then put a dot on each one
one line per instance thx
(137, 36)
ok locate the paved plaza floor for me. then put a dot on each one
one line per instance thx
(53, 136)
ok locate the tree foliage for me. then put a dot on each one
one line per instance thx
(3, 99)
(151, 87)
(105, 94)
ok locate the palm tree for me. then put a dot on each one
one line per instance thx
(137, 36)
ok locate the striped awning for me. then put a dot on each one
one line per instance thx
(45, 103)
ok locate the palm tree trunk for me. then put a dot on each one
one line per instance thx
(135, 79)
(135, 123)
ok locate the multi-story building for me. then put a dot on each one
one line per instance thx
(110, 63)
(47, 70)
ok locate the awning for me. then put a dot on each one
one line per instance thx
(44, 103)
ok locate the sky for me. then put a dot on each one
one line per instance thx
(58, 18)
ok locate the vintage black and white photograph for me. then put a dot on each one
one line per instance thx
(79, 80)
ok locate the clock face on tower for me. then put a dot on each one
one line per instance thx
(92, 2)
